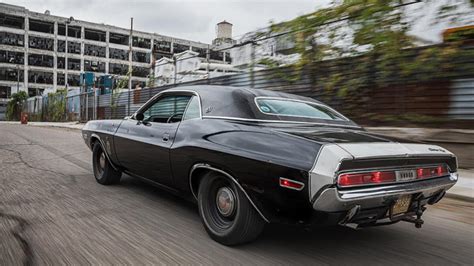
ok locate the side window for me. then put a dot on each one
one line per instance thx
(168, 108)
(193, 110)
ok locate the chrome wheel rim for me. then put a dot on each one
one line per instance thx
(102, 162)
(225, 201)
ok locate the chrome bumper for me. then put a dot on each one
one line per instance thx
(333, 199)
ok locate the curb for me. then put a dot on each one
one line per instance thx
(459, 197)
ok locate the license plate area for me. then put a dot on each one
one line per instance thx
(401, 205)
(405, 175)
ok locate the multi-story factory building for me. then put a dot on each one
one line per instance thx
(33, 51)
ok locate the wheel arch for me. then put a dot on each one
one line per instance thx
(198, 171)
(96, 138)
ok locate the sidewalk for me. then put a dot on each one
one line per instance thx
(69, 125)
(463, 190)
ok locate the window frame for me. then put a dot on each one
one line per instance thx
(343, 118)
(165, 93)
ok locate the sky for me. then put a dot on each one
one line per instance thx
(187, 19)
(196, 19)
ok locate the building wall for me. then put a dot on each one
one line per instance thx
(94, 47)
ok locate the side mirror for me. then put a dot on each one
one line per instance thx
(139, 116)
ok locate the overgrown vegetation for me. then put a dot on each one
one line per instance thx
(55, 109)
(15, 105)
(377, 35)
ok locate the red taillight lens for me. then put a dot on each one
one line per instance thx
(429, 172)
(291, 184)
(366, 178)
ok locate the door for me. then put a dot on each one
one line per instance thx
(143, 147)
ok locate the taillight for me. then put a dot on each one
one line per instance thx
(429, 172)
(366, 178)
(380, 177)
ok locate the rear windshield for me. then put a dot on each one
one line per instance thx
(292, 108)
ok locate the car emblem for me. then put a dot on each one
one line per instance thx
(209, 109)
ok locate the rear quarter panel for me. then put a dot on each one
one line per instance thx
(256, 156)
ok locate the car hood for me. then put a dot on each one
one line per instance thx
(362, 144)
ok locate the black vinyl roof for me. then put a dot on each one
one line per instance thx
(239, 102)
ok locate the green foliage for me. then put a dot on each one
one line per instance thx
(56, 107)
(151, 81)
(15, 105)
(375, 36)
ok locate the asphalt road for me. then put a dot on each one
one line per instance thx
(53, 212)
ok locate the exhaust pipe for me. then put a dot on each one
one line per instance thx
(349, 215)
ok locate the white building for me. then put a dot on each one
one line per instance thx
(32, 51)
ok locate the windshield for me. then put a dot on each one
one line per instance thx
(287, 107)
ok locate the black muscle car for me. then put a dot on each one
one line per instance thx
(251, 157)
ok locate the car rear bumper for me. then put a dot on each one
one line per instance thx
(333, 199)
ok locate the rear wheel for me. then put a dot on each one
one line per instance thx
(227, 215)
(104, 173)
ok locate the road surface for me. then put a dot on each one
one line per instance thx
(53, 212)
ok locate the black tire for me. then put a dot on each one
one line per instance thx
(241, 225)
(104, 173)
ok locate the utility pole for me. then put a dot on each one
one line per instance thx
(207, 62)
(252, 64)
(175, 69)
(130, 69)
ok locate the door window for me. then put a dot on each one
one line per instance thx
(169, 109)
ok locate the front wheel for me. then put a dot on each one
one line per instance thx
(104, 173)
(227, 215)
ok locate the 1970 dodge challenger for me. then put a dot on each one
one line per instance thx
(250, 157)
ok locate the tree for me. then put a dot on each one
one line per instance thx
(15, 105)
(376, 33)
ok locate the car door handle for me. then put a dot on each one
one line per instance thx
(166, 137)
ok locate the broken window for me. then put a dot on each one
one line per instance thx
(158, 56)
(118, 38)
(5, 92)
(72, 47)
(40, 77)
(41, 43)
(118, 54)
(94, 50)
(11, 39)
(141, 57)
(140, 71)
(141, 42)
(228, 59)
(41, 26)
(73, 64)
(118, 69)
(138, 84)
(162, 46)
(73, 80)
(72, 31)
(11, 74)
(32, 92)
(178, 48)
(11, 21)
(94, 66)
(95, 35)
(60, 79)
(12, 57)
(216, 55)
(40, 60)
(202, 51)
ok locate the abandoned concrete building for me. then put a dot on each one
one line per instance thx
(33, 51)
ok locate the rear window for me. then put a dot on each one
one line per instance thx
(292, 108)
